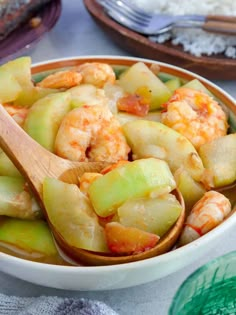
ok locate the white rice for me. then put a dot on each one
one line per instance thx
(194, 41)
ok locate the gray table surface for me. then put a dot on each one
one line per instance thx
(77, 34)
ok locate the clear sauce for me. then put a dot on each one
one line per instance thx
(32, 256)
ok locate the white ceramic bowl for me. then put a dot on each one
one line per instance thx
(125, 275)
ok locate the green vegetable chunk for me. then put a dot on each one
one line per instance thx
(28, 96)
(190, 189)
(7, 168)
(72, 215)
(9, 87)
(31, 236)
(135, 179)
(85, 94)
(164, 77)
(20, 68)
(16, 83)
(45, 116)
(232, 122)
(125, 117)
(153, 215)
(153, 139)
(219, 157)
(139, 76)
(173, 84)
(195, 84)
(119, 70)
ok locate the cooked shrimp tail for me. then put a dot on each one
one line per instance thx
(206, 214)
(61, 80)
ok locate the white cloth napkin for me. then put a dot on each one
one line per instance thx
(53, 305)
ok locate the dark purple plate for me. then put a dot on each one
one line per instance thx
(25, 36)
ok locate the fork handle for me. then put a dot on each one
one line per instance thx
(219, 27)
(221, 18)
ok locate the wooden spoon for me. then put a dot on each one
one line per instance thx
(36, 163)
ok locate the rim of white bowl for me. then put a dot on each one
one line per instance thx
(188, 249)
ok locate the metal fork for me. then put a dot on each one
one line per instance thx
(136, 19)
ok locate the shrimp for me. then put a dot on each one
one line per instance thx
(91, 133)
(17, 113)
(96, 73)
(205, 215)
(61, 80)
(195, 115)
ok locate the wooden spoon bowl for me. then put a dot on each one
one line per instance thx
(36, 163)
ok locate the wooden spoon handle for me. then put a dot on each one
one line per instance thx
(221, 18)
(32, 160)
(220, 27)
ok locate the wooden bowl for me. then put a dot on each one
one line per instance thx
(214, 67)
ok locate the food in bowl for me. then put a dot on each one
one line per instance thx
(159, 136)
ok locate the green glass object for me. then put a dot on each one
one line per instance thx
(211, 290)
